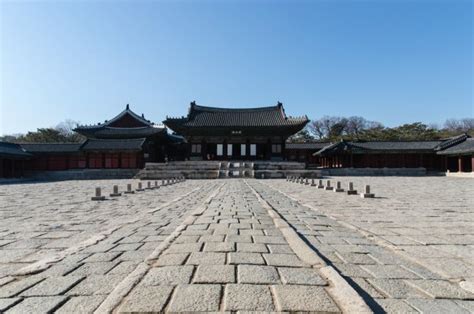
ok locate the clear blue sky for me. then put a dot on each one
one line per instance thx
(393, 61)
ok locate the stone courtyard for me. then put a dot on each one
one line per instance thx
(238, 245)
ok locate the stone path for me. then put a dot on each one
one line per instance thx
(235, 245)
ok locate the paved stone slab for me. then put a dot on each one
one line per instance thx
(396, 288)
(303, 298)
(395, 306)
(146, 299)
(196, 298)
(206, 258)
(389, 272)
(52, 286)
(37, 305)
(248, 298)
(172, 259)
(215, 274)
(252, 247)
(96, 285)
(258, 274)
(168, 275)
(81, 305)
(301, 276)
(283, 260)
(219, 247)
(16, 287)
(269, 239)
(246, 258)
(7, 303)
(436, 306)
(441, 289)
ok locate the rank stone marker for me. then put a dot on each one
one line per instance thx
(156, 185)
(350, 189)
(98, 195)
(306, 181)
(367, 193)
(148, 186)
(338, 187)
(320, 184)
(313, 183)
(163, 183)
(140, 187)
(302, 180)
(328, 186)
(129, 189)
(115, 192)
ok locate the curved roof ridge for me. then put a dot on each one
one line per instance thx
(391, 141)
(127, 110)
(222, 109)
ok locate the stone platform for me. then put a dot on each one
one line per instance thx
(226, 169)
(238, 245)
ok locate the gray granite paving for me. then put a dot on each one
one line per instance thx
(408, 250)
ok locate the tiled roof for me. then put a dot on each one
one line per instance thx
(380, 146)
(312, 146)
(331, 148)
(201, 116)
(109, 132)
(452, 141)
(126, 111)
(113, 144)
(465, 147)
(141, 128)
(51, 147)
(396, 145)
(12, 150)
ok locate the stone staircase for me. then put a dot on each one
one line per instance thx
(282, 169)
(188, 169)
(226, 169)
(236, 169)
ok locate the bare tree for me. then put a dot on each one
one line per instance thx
(67, 126)
(316, 128)
(459, 125)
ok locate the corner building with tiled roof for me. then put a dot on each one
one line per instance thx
(236, 134)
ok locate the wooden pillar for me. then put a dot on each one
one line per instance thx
(472, 163)
(1, 168)
(268, 150)
(351, 160)
(460, 164)
(204, 149)
(224, 149)
(13, 168)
